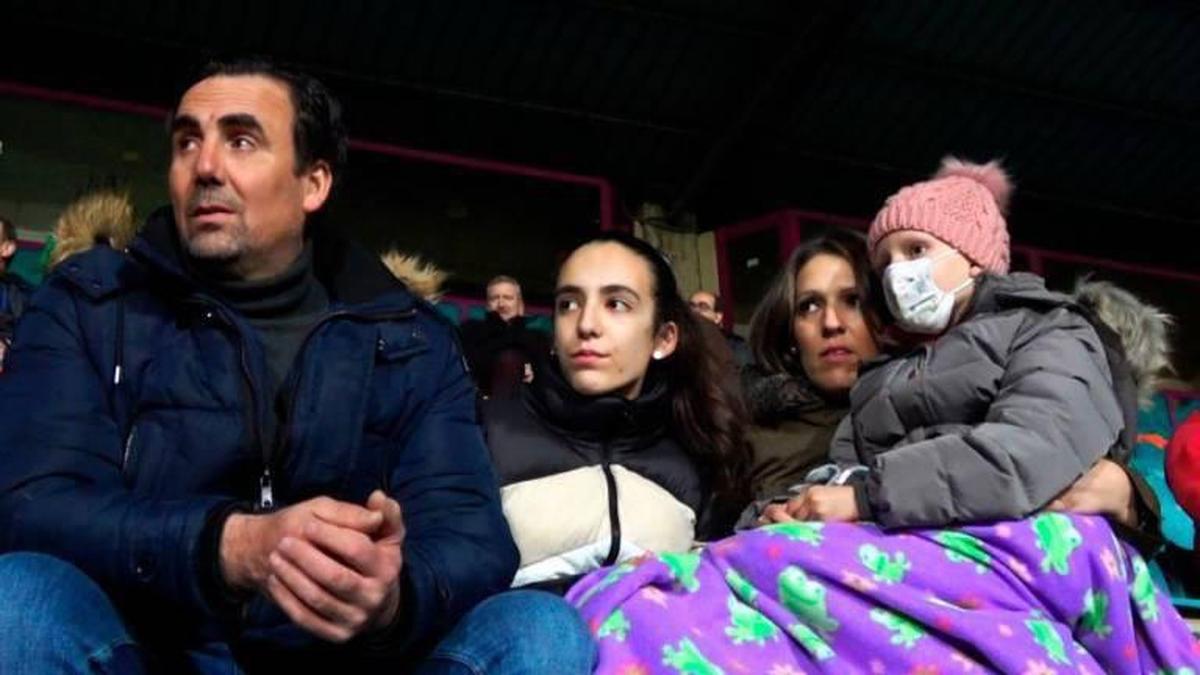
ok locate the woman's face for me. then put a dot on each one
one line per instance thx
(604, 334)
(831, 333)
(950, 268)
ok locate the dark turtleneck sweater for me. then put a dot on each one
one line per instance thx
(282, 309)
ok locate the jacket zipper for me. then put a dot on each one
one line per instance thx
(266, 496)
(614, 515)
(266, 485)
(128, 454)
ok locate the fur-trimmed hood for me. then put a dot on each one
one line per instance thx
(422, 277)
(1142, 327)
(102, 217)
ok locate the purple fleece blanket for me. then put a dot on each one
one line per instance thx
(1049, 594)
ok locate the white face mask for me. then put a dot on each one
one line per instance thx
(916, 301)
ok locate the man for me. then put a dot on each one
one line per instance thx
(244, 445)
(14, 291)
(708, 305)
(501, 349)
(504, 298)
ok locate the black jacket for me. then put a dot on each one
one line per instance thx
(14, 296)
(588, 481)
(487, 341)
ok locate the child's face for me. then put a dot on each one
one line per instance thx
(949, 272)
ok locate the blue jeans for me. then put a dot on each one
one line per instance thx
(527, 632)
(55, 619)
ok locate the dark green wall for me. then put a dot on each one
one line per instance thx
(472, 223)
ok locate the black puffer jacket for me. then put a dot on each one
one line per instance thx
(497, 349)
(14, 295)
(589, 481)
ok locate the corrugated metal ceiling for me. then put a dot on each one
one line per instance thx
(719, 107)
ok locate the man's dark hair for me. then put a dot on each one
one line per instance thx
(318, 132)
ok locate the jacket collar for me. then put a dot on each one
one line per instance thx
(995, 293)
(13, 279)
(349, 272)
(599, 418)
(778, 397)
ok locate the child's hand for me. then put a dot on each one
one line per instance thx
(831, 504)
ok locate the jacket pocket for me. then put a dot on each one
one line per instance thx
(399, 342)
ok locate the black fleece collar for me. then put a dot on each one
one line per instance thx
(600, 418)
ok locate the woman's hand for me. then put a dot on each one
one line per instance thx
(1104, 490)
(819, 502)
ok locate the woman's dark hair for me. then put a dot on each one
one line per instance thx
(706, 404)
(771, 338)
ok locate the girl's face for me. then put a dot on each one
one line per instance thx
(950, 268)
(604, 332)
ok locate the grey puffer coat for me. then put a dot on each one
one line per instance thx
(990, 421)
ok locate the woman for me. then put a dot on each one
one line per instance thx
(1005, 398)
(631, 439)
(809, 335)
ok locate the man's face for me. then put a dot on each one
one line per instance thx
(505, 299)
(8, 249)
(239, 202)
(705, 304)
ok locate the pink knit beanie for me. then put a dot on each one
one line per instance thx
(963, 205)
